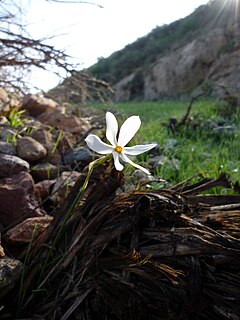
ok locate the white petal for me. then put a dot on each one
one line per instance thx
(138, 149)
(111, 128)
(126, 159)
(117, 163)
(97, 145)
(128, 130)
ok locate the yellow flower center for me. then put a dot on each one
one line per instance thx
(118, 149)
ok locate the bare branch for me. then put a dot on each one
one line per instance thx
(19, 54)
(76, 1)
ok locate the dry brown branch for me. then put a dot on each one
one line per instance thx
(137, 255)
(19, 54)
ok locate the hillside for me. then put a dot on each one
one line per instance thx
(145, 50)
(174, 60)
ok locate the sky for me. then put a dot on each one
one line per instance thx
(87, 31)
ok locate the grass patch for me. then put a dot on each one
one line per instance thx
(198, 148)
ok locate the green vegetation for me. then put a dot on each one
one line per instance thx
(15, 118)
(195, 148)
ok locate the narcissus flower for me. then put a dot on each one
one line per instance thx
(119, 141)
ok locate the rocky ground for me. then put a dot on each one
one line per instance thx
(40, 160)
(42, 155)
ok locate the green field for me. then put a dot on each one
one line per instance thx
(196, 147)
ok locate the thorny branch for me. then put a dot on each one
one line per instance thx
(20, 53)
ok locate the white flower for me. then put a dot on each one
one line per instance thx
(117, 147)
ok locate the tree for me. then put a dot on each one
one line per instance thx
(19, 52)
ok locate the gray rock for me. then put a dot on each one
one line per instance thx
(30, 149)
(10, 271)
(64, 185)
(7, 148)
(43, 136)
(139, 176)
(224, 129)
(10, 165)
(4, 120)
(8, 134)
(171, 143)
(79, 155)
(45, 171)
(158, 161)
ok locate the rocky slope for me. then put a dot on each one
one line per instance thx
(213, 59)
(172, 61)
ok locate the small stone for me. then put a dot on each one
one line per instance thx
(7, 148)
(11, 165)
(36, 105)
(10, 272)
(4, 105)
(43, 136)
(8, 134)
(30, 149)
(28, 230)
(17, 199)
(158, 161)
(42, 188)
(63, 185)
(81, 155)
(140, 177)
(171, 143)
(44, 171)
(55, 157)
(224, 129)
(4, 120)
(65, 122)
(2, 254)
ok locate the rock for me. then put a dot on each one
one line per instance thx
(9, 134)
(4, 106)
(36, 105)
(45, 171)
(140, 177)
(18, 200)
(42, 188)
(2, 254)
(224, 129)
(4, 120)
(55, 157)
(3, 96)
(7, 148)
(81, 156)
(65, 122)
(30, 149)
(64, 185)
(27, 230)
(52, 142)
(171, 143)
(43, 136)
(186, 68)
(158, 161)
(11, 165)
(10, 272)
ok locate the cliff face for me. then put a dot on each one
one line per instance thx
(213, 58)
